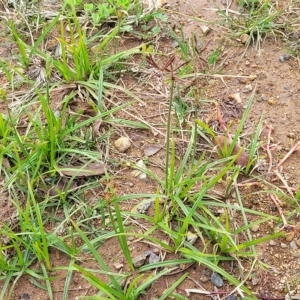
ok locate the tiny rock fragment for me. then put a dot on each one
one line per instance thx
(191, 237)
(291, 135)
(216, 280)
(252, 77)
(143, 207)
(244, 38)
(236, 97)
(205, 29)
(293, 245)
(255, 228)
(122, 144)
(152, 149)
(271, 101)
(118, 266)
(255, 281)
(139, 260)
(153, 258)
(289, 236)
(249, 87)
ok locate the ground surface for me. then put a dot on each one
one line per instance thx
(276, 85)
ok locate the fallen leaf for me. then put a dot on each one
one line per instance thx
(138, 173)
(93, 169)
(62, 186)
(152, 149)
(96, 127)
(82, 108)
(222, 142)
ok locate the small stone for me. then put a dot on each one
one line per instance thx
(249, 87)
(191, 237)
(153, 258)
(255, 281)
(247, 63)
(118, 266)
(244, 38)
(252, 77)
(143, 207)
(130, 238)
(262, 75)
(122, 144)
(216, 280)
(236, 97)
(293, 245)
(205, 29)
(291, 135)
(271, 101)
(139, 260)
(175, 44)
(263, 97)
(281, 58)
(298, 242)
(255, 228)
(204, 278)
(282, 245)
(289, 236)
(231, 297)
(272, 243)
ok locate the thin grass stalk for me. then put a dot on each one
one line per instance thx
(168, 136)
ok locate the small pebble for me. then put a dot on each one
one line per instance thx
(282, 245)
(216, 280)
(291, 135)
(255, 228)
(139, 260)
(191, 237)
(244, 38)
(231, 297)
(248, 87)
(263, 97)
(122, 144)
(298, 242)
(293, 245)
(289, 236)
(153, 258)
(205, 29)
(118, 266)
(255, 281)
(142, 208)
(272, 243)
